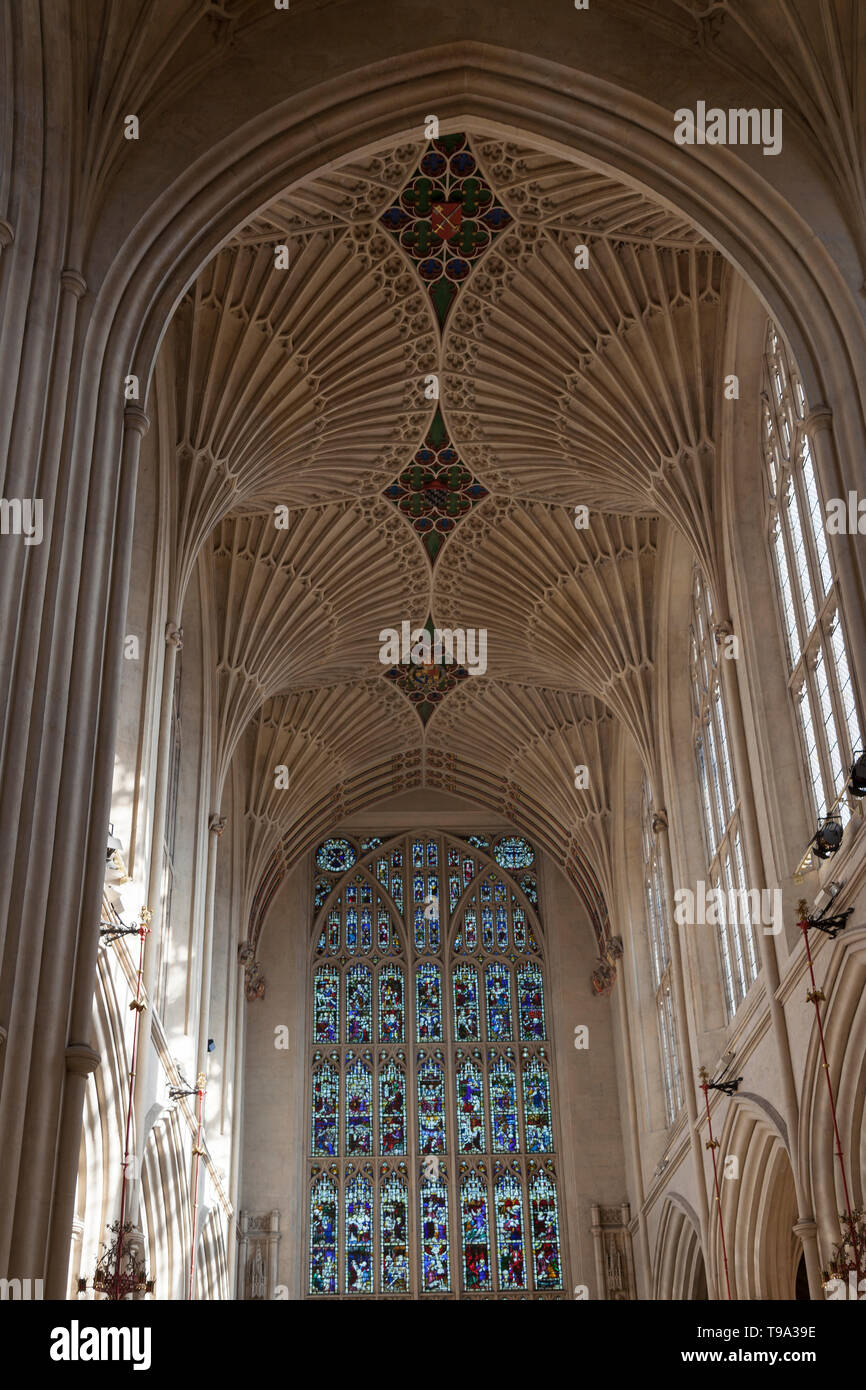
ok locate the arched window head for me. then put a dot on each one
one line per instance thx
(819, 676)
(432, 1101)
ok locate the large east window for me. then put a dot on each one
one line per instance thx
(431, 1106)
(819, 676)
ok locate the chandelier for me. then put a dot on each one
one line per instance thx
(120, 1271)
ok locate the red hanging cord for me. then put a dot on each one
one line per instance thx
(814, 996)
(712, 1145)
(198, 1151)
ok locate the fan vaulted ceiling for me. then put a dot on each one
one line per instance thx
(308, 388)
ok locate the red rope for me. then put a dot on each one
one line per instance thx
(197, 1151)
(712, 1146)
(137, 1005)
(813, 997)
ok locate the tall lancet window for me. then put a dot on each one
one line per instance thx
(432, 1104)
(657, 917)
(819, 673)
(726, 899)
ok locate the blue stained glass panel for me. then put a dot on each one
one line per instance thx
(476, 1233)
(513, 852)
(326, 1005)
(382, 872)
(536, 1108)
(366, 930)
(544, 1217)
(499, 891)
(509, 1233)
(323, 1236)
(391, 1004)
(485, 890)
(359, 1109)
(503, 1106)
(428, 1003)
(335, 856)
(351, 929)
(359, 1236)
(384, 933)
(435, 1265)
(470, 1110)
(366, 891)
(518, 926)
(326, 1108)
(530, 996)
(418, 893)
(359, 1005)
(470, 930)
(351, 891)
(417, 854)
(431, 1106)
(420, 928)
(397, 891)
(322, 943)
(432, 854)
(322, 889)
(466, 1016)
(334, 930)
(487, 928)
(392, 1109)
(497, 981)
(501, 929)
(455, 888)
(453, 857)
(394, 1232)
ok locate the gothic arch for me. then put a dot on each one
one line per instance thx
(678, 1266)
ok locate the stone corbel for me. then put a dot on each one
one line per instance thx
(659, 821)
(174, 635)
(217, 823)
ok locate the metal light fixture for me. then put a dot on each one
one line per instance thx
(857, 784)
(828, 837)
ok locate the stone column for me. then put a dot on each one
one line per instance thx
(660, 828)
(756, 870)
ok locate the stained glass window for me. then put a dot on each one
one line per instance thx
(497, 980)
(466, 986)
(392, 1109)
(335, 856)
(359, 1236)
(476, 1234)
(513, 853)
(465, 990)
(359, 1005)
(431, 1105)
(394, 1235)
(428, 1003)
(530, 992)
(509, 1232)
(545, 1233)
(326, 1006)
(359, 1109)
(323, 1236)
(503, 1106)
(536, 1107)
(326, 1109)
(435, 1271)
(391, 1012)
(470, 1109)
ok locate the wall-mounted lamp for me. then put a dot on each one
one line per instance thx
(828, 837)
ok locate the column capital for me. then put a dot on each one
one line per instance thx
(820, 417)
(81, 1059)
(73, 281)
(805, 1228)
(134, 418)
